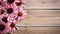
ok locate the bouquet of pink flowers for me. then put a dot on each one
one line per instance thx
(11, 12)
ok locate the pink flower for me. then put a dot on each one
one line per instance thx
(4, 28)
(14, 26)
(21, 15)
(17, 4)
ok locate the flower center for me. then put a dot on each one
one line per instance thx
(0, 3)
(18, 3)
(1, 11)
(2, 27)
(12, 25)
(4, 19)
(8, 33)
(9, 10)
(10, 1)
(20, 14)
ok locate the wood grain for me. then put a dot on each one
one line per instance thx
(42, 4)
(38, 30)
(42, 18)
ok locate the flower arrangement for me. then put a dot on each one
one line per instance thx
(11, 12)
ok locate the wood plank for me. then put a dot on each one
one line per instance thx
(38, 30)
(44, 13)
(42, 18)
(42, 4)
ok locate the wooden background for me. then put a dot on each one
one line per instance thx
(43, 17)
